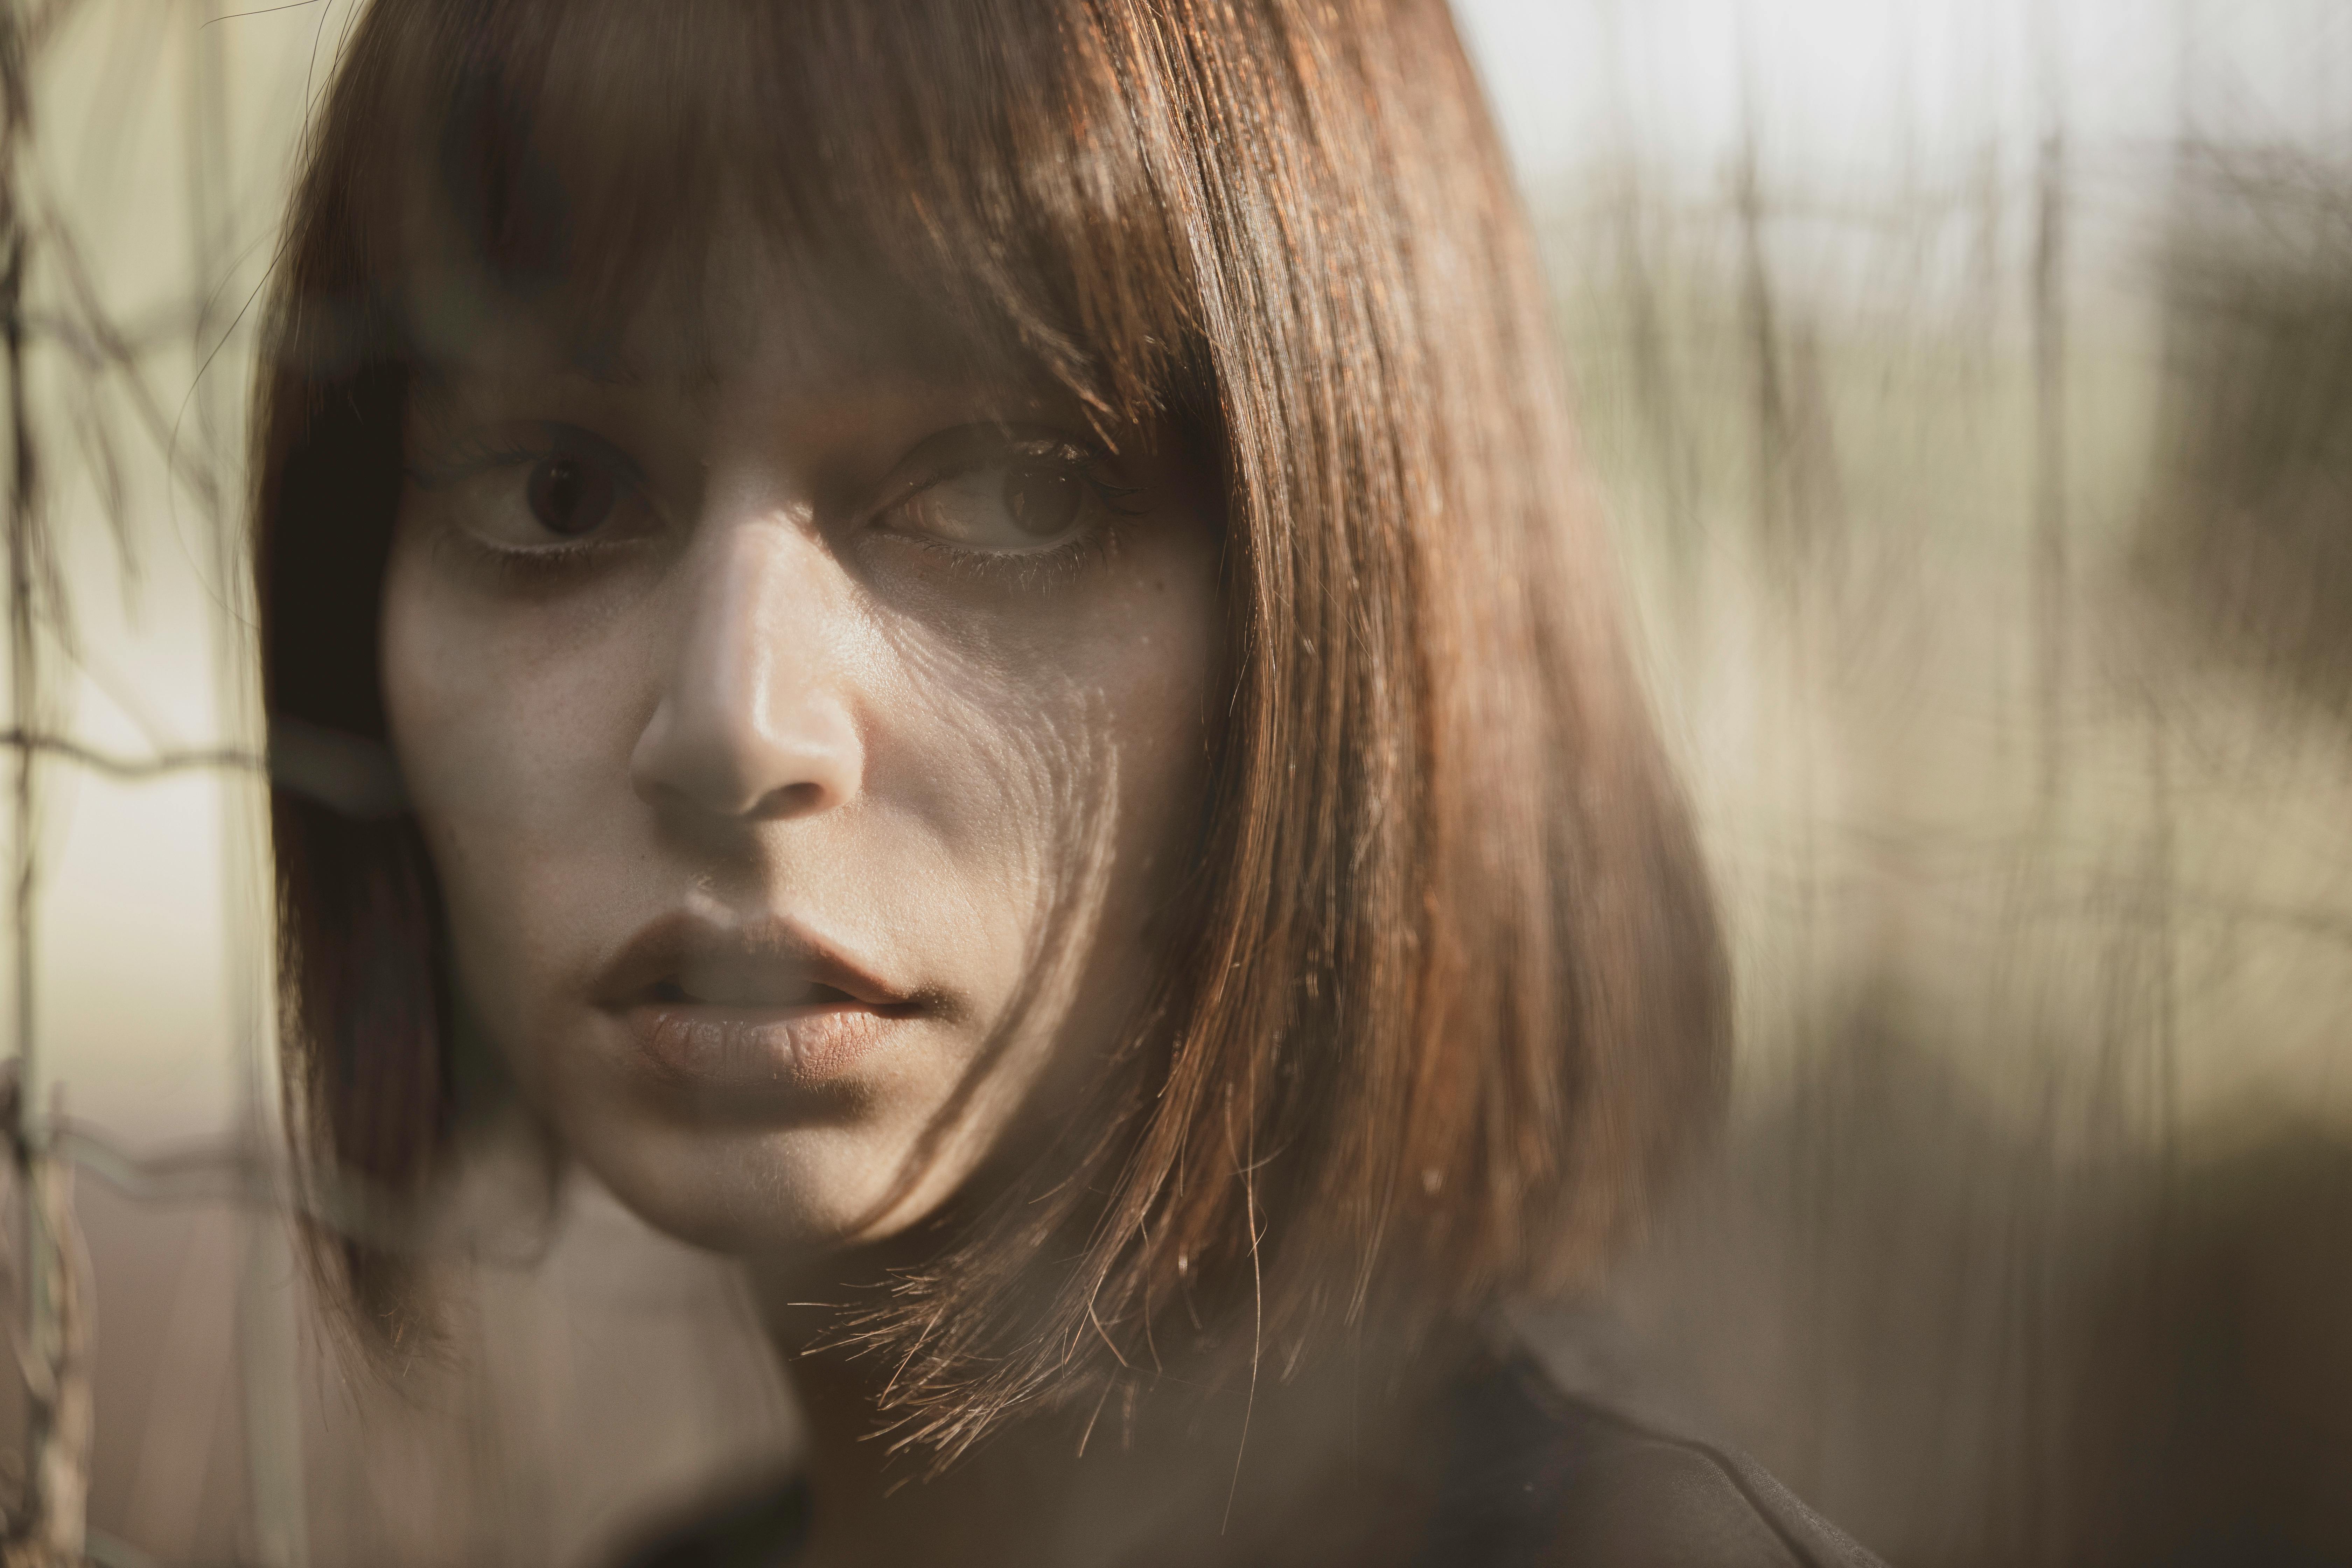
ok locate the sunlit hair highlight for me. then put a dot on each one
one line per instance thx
(1451, 1005)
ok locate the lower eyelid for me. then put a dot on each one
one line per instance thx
(555, 555)
(544, 565)
(1017, 568)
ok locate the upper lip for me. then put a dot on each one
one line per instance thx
(768, 963)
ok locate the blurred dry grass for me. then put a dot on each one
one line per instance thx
(2030, 1245)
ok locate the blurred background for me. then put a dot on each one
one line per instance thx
(1971, 384)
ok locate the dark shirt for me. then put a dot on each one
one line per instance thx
(1542, 1478)
(1532, 1477)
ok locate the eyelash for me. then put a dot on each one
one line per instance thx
(534, 566)
(525, 566)
(1031, 570)
(473, 458)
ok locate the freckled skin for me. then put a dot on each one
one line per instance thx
(761, 697)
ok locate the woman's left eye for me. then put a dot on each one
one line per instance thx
(1001, 493)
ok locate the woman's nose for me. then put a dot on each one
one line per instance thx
(751, 722)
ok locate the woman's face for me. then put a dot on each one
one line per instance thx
(810, 745)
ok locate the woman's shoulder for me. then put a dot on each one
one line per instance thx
(1538, 1476)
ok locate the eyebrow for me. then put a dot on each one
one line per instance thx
(573, 359)
(620, 373)
(580, 360)
(599, 373)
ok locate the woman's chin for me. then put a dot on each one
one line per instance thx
(796, 1194)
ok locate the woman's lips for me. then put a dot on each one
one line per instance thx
(754, 1008)
(734, 1046)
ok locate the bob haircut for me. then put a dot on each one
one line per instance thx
(1452, 1001)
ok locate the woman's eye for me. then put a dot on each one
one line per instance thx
(558, 486)
(570, 498)
(1042, 502)
(984, 489)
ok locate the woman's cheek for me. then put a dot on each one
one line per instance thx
(503, 726)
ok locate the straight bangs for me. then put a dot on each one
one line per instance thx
(948, 186)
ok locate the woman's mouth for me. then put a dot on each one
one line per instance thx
(740, 1046)
(749, 1010)
(787, 993)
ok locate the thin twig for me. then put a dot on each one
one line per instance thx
(160, 763)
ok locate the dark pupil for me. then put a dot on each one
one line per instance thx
(568, 497)
(1043, 501)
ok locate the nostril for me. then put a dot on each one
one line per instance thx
(755, 779)
(791, 800)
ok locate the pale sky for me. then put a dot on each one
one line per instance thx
(1859, 89)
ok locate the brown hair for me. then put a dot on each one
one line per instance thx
(1455, 1000)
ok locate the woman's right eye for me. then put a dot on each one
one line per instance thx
(559, 490)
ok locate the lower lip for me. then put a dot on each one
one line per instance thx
(758, 1048)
